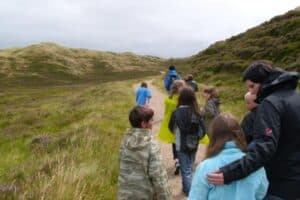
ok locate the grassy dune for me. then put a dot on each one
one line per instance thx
(63, 113)
(61, 142)
(221, 65)
(49, 63)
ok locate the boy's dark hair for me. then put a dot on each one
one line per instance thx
(172, 67)
(138, 114)
(143, 84)
(257, 71)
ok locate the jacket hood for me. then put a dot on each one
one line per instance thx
(172, 73)
(137, 138)
(278, 80)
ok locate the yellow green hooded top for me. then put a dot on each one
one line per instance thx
(164, 134)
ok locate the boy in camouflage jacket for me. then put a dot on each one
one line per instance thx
(141, 173)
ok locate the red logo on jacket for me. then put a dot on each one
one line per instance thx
(268, 131)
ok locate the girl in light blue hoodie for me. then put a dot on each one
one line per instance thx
(227, 143)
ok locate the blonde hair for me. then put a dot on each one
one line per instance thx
(176, 85)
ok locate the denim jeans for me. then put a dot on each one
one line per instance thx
(186, 161)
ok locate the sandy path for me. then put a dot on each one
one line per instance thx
(157, 104)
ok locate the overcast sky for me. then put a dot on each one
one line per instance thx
(166, 28)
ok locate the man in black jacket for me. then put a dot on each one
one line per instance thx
(276, 133)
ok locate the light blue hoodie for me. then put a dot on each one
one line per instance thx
(252, 187)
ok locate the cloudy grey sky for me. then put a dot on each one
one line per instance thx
(166, 28)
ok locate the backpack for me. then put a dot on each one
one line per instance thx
(193, 132)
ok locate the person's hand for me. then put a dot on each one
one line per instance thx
(216, 177)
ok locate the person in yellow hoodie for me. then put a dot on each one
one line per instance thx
(164, 134)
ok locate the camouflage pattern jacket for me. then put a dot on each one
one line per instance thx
(141, 174)
(210, 111)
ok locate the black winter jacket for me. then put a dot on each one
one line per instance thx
(248, 125)
(276, 136)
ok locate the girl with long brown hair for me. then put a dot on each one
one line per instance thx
(188, 127)
(226, 144)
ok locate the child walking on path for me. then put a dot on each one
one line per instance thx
(164, 134)
(248, 121)
(141, 173)
(188, 128)
(212, 105)
(143, 95)
(171, 76)
(226, 145)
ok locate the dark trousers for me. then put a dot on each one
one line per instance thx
(175, 156)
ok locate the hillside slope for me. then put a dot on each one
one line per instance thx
(49, 63)
(221, 65)
(277, 40)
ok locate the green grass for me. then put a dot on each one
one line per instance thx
(63, 113)
(51, 64)
(82, 126)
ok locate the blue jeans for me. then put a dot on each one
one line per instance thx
(186, 161)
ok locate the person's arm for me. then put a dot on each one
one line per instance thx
(136, 95)
(167, 82)
(157, 173)
(172, 122)
(202, 126)
(267, 133)
(149, 95)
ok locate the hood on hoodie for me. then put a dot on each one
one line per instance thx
(137, 138)
(172, 73)
(278, 80)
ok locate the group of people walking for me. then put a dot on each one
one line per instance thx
(257, 159)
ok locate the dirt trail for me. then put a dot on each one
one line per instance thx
(157, 104)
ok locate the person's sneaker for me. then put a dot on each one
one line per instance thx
(177, 168)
